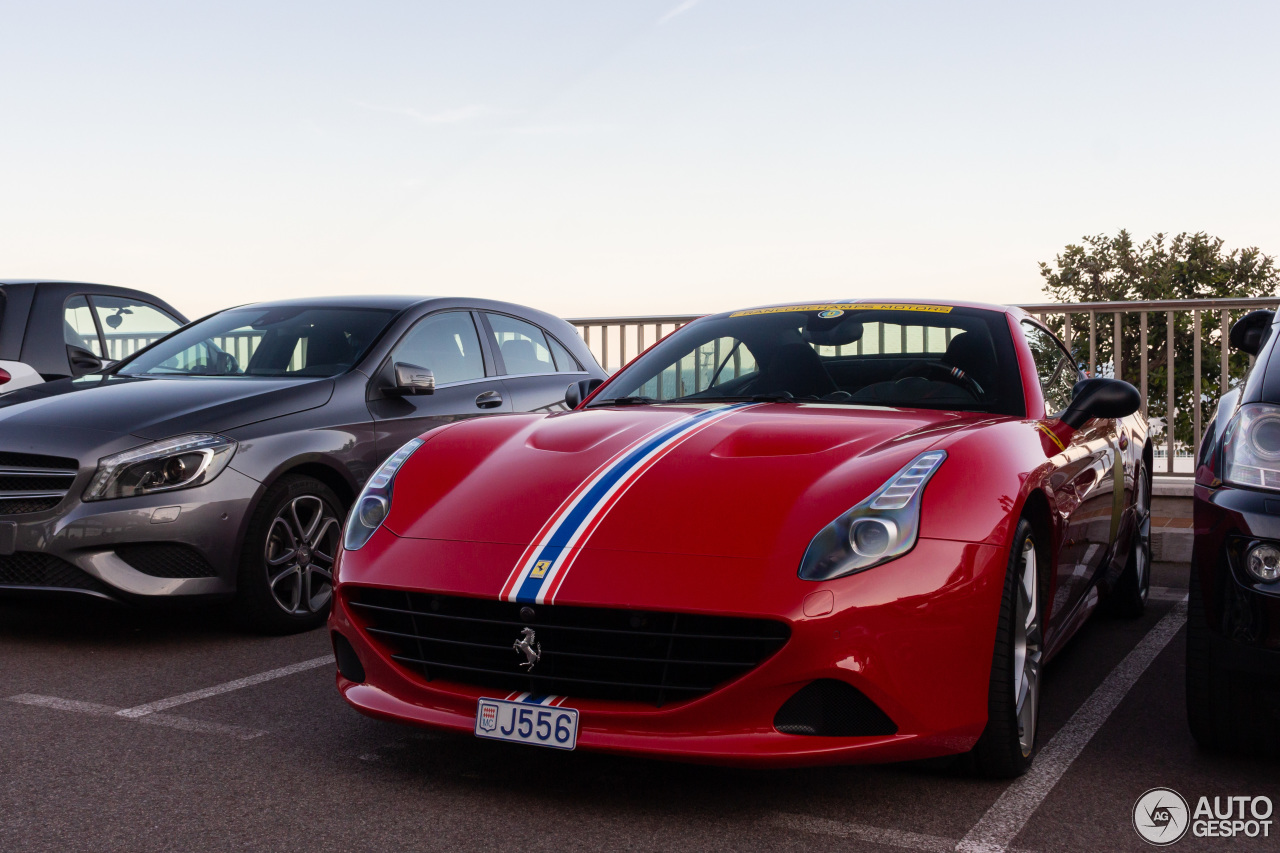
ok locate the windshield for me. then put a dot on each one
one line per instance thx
(282, 341)
(908, 356)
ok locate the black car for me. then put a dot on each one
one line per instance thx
(221, 460)
(1233, 623)
(57, 329)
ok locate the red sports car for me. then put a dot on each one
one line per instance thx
(803, 534)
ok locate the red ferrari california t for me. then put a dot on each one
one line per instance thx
(802, 534)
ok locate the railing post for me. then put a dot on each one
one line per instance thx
(1223, 334)
(1168, 415)
(1093, 343)
(1066, 332)
(1142, 354)
(1195, 384)
(1117, 348)
(604, 347)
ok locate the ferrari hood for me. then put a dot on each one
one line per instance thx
(727, 480)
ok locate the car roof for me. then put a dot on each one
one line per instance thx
(390, 302)
(870, 302)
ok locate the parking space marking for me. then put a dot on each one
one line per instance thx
(219, 689)
(172, 721)
(1010, 813)
(862, 832)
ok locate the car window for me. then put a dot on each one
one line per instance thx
(1055, 368)
(446, 344)
(565, 362)
(895, 355)
(77, 326)
(129, 324)
(523, 345)
(287, 341)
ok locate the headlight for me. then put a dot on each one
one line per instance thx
(880, 529)
(374, 504)
(1251, 451)
(162, 466)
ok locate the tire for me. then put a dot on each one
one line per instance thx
(1226, 710)
(286, 567)
(1129, 598)
(1008, 743)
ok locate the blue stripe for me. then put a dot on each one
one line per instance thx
(533, 700)
(567, 526)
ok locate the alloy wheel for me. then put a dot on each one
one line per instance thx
(1028, 645)
(1142, 549)
(302, 543)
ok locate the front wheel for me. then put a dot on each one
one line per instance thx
(1129, 598)
(285, 583)
(1013, 698)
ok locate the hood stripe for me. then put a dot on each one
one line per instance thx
(544, 564)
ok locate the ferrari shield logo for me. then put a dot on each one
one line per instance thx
(488, 717)
(540, 569)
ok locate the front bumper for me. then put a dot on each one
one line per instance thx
(915, 636)
(77, 547)
(1243, 614)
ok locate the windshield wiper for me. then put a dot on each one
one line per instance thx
(626, 401)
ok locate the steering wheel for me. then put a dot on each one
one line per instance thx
(946, 373)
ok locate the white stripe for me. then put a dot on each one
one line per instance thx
(218, 689)
(1010, 813)
(169, 720)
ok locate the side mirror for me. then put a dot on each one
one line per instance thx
(579, 391)
(1101, 398)
(1250, 331)
(411, 379)
(82, 361)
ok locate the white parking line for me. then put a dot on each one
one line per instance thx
(218, 689)
(168, 720)
(1010, 813)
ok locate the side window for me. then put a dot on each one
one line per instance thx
(565, 362)
(1055, 368)
(129, 325)
(523, 345)
(78, 327)
(446, 344)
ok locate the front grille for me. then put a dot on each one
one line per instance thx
(30, 482)
(27, 568)
(21, 506)
(586, 652)
(166, 560)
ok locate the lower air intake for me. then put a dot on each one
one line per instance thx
(830, 708)
(166, 560)
(29, 569)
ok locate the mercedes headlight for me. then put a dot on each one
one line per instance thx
(374, 504)
(881, 528)
(1251, 451)
(162, 466)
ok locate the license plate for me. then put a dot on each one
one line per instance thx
(525, 722)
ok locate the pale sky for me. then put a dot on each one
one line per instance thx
(606, 158)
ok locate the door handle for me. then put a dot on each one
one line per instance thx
(489, 400)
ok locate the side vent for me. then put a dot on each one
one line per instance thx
(830, 708)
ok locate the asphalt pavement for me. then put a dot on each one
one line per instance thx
(143, 731)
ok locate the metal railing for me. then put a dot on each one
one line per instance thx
(1145, 343)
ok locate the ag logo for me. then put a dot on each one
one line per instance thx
(1161, 816)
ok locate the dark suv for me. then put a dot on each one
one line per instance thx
(222, 459)
(1233, 624)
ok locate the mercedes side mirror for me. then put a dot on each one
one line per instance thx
(1250, 331)
(411, 379)
(579, 391)
(1101, 398)
(82, 361)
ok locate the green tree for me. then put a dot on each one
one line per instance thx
(1103, 268)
